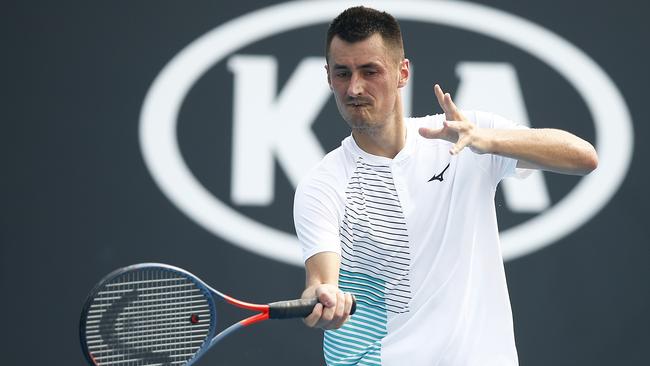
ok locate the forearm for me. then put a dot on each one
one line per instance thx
(334, 306)
(547, 149)
(321, 269)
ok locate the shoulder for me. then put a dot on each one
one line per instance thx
(327, 175)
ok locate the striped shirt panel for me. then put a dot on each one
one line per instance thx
(375, 261)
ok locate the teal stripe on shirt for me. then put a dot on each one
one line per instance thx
(358, 342)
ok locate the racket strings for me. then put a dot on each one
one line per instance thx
(147, 317)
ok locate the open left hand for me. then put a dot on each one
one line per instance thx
(456, 128)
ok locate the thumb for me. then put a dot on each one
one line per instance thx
(327, 298)
(430, 133)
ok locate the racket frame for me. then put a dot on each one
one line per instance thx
(202, 286)
(210, 293)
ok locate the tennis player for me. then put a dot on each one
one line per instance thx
(402, 213)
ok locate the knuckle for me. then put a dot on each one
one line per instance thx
(328, 316)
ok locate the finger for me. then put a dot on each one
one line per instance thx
(327, 298)
(312, 319)
(327, 317)
(451, 106)
(430, 133)
(440, 95)
(349, 300)
(337, 312)
(437, 90)
(339, 316)
(459, 146)
(453, 125)
(451, 113)
(340, 305)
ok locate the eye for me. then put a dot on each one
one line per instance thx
(370, 72)
(342, 74)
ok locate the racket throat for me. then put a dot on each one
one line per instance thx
(255, 318)
(241, 324)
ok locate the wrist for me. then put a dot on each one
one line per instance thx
(314, 290)
(484, 141)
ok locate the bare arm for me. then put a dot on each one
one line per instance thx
(548, 149)
(322, 275)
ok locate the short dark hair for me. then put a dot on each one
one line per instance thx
(359, 23)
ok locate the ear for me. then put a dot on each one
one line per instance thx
(329, 80)
(404, 72)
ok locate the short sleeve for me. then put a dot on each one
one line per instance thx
(316, 217)
(498, 166)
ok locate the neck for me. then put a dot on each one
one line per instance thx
(386, 140)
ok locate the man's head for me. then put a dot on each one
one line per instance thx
(366, 68)
(360, 23)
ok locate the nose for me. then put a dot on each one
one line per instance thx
(356, 86)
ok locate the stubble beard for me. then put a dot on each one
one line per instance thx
(363, 123)
(361, 118)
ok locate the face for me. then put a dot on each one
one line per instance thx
(365, 78)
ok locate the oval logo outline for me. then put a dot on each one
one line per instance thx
(162, 103)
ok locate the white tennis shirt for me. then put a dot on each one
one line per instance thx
(419, 247)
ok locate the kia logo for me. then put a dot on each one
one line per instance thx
(160, 111)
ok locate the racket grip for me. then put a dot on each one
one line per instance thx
(298, 308)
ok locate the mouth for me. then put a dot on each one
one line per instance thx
(357, 104)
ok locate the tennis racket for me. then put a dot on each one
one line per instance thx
(157, 314)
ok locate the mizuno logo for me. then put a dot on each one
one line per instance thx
(439, 176)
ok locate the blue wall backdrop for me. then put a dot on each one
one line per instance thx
(105, 165)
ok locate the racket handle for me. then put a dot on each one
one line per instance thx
(299, 308)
